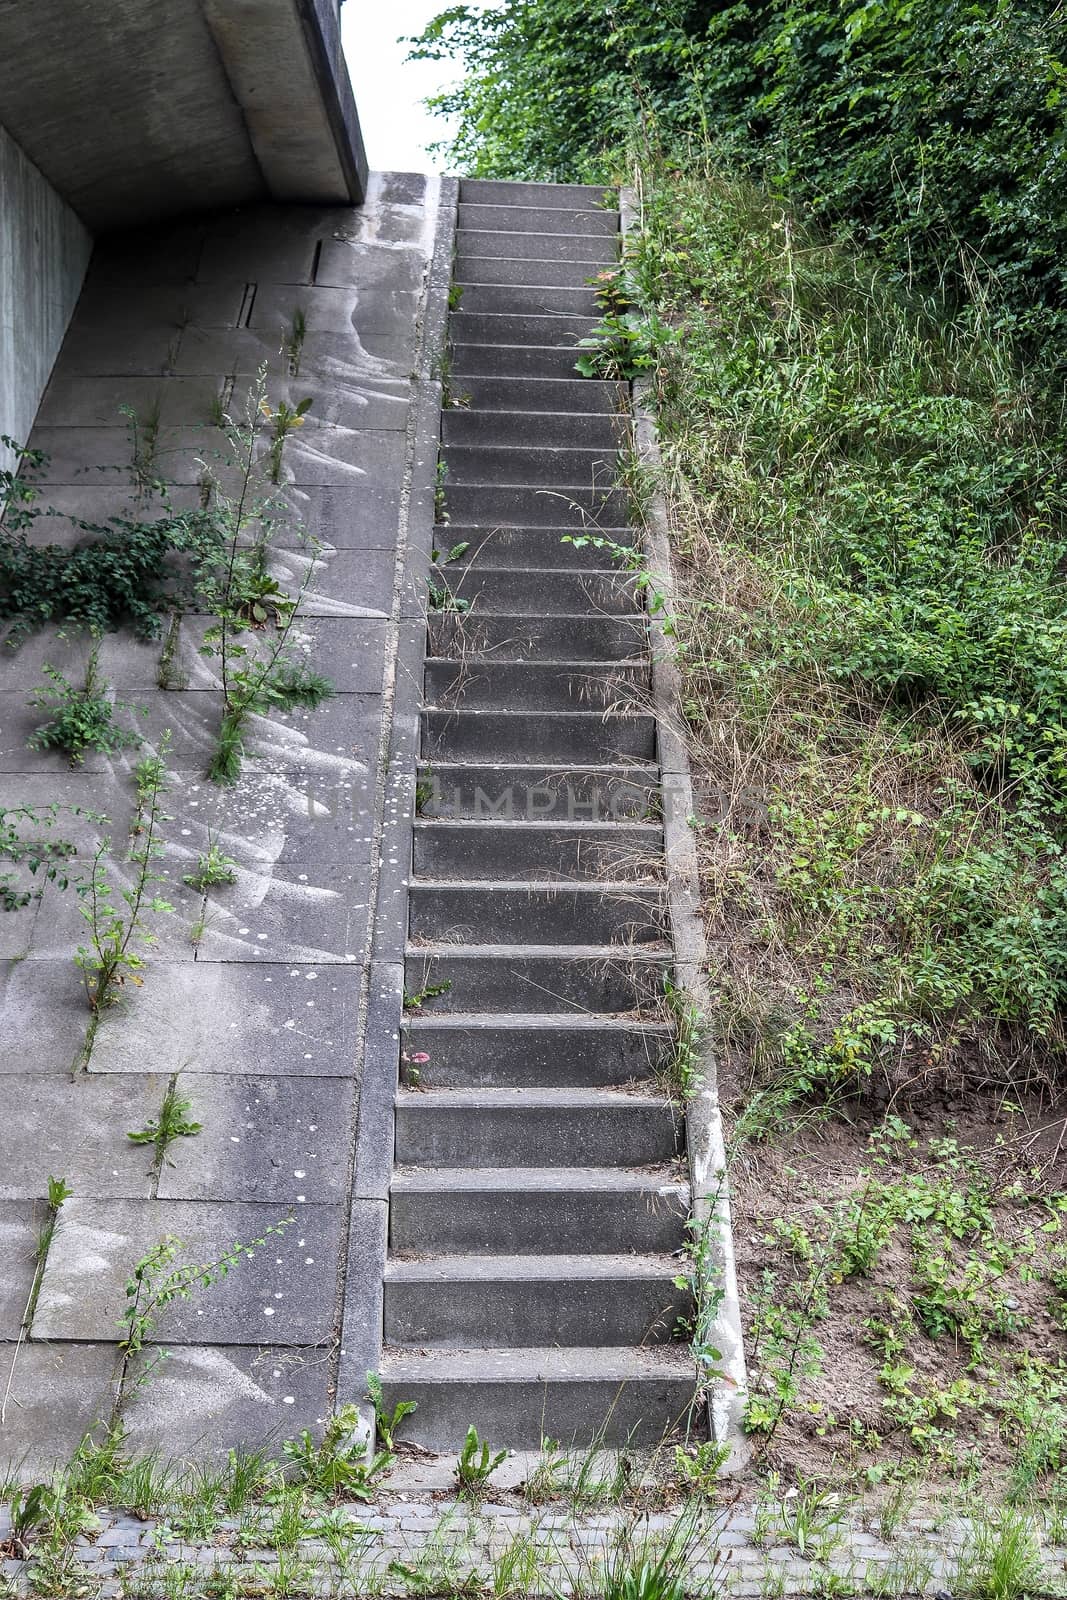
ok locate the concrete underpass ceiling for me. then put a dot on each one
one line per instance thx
(136, 110)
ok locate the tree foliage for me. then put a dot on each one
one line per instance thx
(935, 129)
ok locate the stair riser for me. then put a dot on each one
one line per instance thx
(571, 196)
(597, 249)
(524, 794)
(570, 393)
(597, 1312)
(537, 593)
(562, 429)
(594, 1222)
(528, 300)
(571, 507)
(504, 328)
(552, 736)
(550, 464)
(613, 851)
(512, 638)
(568, 914)
(536, 687)
(576, 221)
(541, 548)
(521, 1415)
(511, 361)
(488, 1057)
(429, 1135)
(539, 984)
(472, 267)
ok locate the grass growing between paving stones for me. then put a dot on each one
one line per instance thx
(869, 519)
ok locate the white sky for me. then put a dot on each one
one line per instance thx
(396, 128)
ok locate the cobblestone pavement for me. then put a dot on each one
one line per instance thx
(438, 1544)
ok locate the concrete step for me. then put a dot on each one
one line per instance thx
(529, 299)
(576, 508)
(517, 1399)
(512, 361)
(470, 267)
(531, 1051)
(507, 637)
(575, 221)
(556, 465)
(563, 736)
(569, 393)
(499, 328)
(554, 1210)
(518, 793)
(538, 685)
(528, 245)
(541, 592)
(514, 979)
(470, 850)
(535, 1127)
(451, 1301)
(504, 911)
(584, 430)
(490, 191)
(519, 547)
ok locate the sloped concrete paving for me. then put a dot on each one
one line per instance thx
(254, 997)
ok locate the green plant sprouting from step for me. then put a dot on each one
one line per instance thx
(386, 1420)
(112, 956)
(81, 719)
(631, 558)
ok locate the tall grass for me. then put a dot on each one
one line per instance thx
(870, 521)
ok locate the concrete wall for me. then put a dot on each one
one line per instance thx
(44, 251)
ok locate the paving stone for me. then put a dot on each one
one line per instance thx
(76, 808)
(282, 1293)
(235, 1018)
(389, 307)
(207, 1399)
(341, 457)
(267, 244)
(334, 582)
(313, 911)
(350, 517)
(268, 816)
(263, 1138)
(76, 1128)
(91, 402)
(60, 928)
(20, 1225)
(59, 1392)
(30, 990)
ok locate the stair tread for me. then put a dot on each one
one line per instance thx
(538, 1180)
(612, 1363)
(578, 827)
(532, 1021)
(431, 1100)
(528, 1268)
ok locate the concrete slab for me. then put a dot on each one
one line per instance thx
(350, 259)
(386, 307)
(75, 1128)
(269, 816)
(88, 804)
(59, 1393)
(281, 1292)
(93, 402)
(336, 583)
(226, 1017)
(29, 992)
(20, 1225)
(310, 912)
(205, 1400)
(263, 1138)
(336, 457)
(60, 928)
(363, 517)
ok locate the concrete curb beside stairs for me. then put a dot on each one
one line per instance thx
(704, 1135)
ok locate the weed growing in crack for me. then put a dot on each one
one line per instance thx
(214, 869)
(172, 1123)
(476, 1463)
(59, 1191)
(81, 719)
(111, 957)
(338, 1466)
(386, 1420)
(37, 853)
(284, 420)
(156, 1283)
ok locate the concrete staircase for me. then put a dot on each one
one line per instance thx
(539, 1195)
